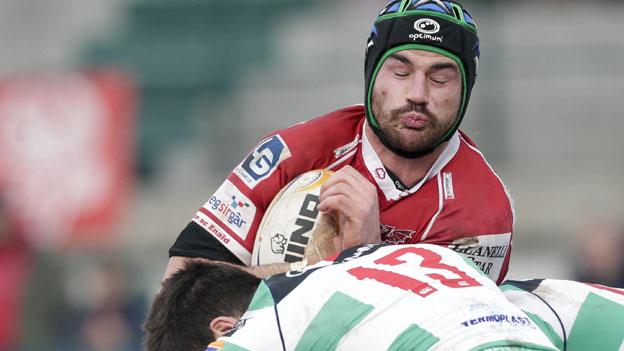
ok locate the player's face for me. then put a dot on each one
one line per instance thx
(416, 98)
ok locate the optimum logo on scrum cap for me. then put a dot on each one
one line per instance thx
(443, 27)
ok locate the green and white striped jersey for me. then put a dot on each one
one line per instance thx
(576, 316)
(385, 297)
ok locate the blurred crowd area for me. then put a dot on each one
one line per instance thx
(119, 118)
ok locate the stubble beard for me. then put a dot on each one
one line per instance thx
(407, 140)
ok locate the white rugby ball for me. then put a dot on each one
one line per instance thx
(289, 221)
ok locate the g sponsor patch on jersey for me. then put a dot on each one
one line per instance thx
(263, 161)
(232, 208)
(486, 251)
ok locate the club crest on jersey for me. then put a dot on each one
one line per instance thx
(263, 161)
(392, 235)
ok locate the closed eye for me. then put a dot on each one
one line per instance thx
(440, 80)
(442, 73)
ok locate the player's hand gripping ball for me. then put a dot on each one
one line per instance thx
(292, 227)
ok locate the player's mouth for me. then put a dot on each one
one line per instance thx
(414, 120)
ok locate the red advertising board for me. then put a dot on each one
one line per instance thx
(66, 155)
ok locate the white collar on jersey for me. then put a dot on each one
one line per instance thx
(385, 183)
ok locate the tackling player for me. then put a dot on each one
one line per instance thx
(575, 316)
(404, 172)
(371, 297)
(197, 299)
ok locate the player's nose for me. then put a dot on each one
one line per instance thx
(418, 90)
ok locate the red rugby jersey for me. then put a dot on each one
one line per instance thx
(461, 203)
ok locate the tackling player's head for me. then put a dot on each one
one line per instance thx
(196, 305)
(444, 35)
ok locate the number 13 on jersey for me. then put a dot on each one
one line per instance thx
(423, 260)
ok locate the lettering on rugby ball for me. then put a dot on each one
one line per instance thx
(290, 220)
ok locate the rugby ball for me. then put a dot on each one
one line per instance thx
(287, 225)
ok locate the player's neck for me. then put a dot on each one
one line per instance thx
(409, 171)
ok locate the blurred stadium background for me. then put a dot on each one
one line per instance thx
(119, 118)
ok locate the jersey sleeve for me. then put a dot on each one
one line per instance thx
(193, 242)
(232, 215)
(228, 221)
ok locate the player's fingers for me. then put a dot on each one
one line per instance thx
(339, 203)
(332, 203)
(360, 198)
(357, 180)
(353, 201)
(346, 209)
(347, 173)
(339, 188)
(336, 178)
(350, 175)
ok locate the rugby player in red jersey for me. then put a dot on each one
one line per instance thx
(404, 171)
